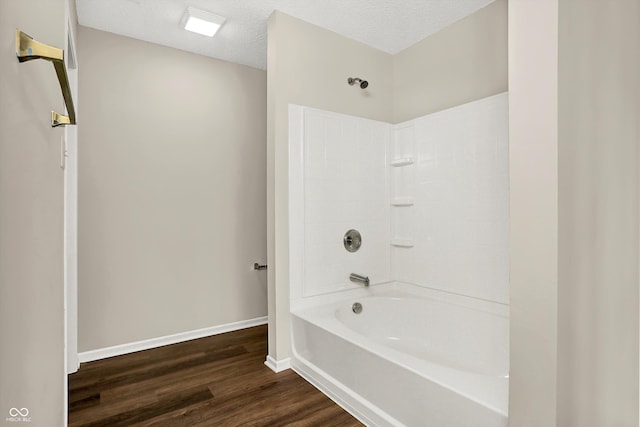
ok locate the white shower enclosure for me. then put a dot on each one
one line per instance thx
(430, 198)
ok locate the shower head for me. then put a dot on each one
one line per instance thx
(354, 80)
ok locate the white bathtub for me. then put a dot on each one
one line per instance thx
(413, 356)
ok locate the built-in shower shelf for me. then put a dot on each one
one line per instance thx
(406, 161)
(402, 201)
(402, 243)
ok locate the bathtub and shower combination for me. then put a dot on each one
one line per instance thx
(426, 344)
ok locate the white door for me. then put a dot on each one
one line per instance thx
(70, 165)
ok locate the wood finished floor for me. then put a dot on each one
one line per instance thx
(213, 381)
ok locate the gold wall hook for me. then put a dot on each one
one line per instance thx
(28, 49)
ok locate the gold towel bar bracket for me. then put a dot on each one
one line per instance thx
(28, 49)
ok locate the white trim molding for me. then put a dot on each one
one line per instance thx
(278, 365)
(118, 350)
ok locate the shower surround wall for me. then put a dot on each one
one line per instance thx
(450, 200)
(430, 197)
(344, 185)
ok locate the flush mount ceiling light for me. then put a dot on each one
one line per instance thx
(202, 22)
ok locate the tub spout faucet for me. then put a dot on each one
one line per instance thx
(359, 279)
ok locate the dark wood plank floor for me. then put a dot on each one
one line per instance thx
(214, 381)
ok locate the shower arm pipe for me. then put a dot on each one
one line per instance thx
(28, 49)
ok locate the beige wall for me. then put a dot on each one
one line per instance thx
(308, 65)
(464, 62)
(533, 154)
(171, 191)
(73, 17)
(574, 90)
(599, 76)
(32, 371)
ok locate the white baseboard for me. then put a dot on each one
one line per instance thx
(118, 350)
(278, 365)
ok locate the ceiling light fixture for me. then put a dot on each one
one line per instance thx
(202, 22)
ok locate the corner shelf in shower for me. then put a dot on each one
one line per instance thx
(402, 243)
(406, 161)
(402, 201)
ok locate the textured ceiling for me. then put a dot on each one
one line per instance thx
(388, 25)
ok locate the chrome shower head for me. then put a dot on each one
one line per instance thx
(354, 80)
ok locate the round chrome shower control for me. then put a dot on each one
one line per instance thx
(356, 308)
(352, 240)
